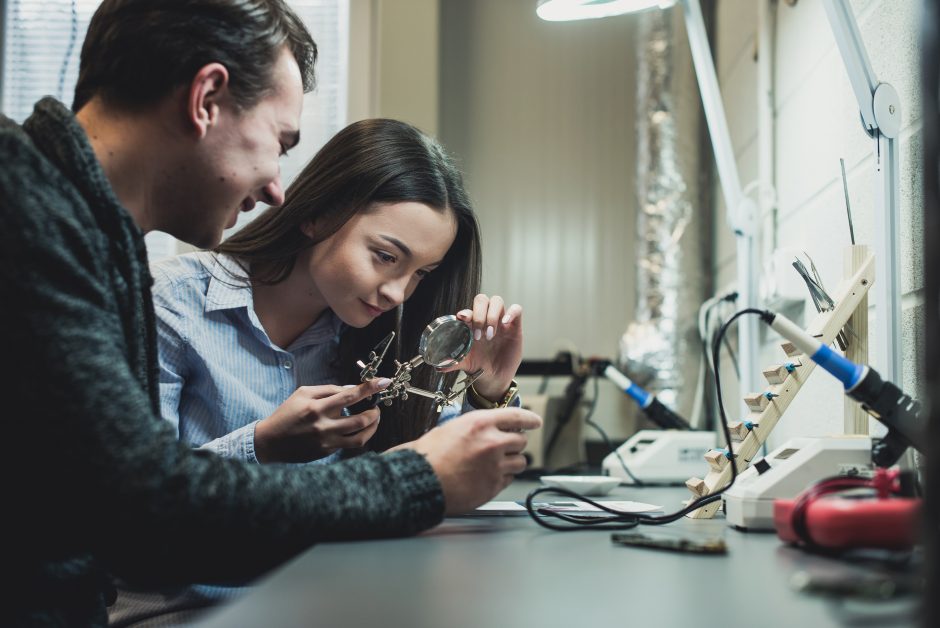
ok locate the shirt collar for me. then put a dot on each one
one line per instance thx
(56, 132)
(327, 328)
(229, 287)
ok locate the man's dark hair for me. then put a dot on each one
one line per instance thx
(137, 51)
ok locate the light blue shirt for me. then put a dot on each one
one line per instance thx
(219, 371)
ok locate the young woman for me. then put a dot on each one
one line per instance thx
(258, 337)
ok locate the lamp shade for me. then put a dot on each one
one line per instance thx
(566, 10)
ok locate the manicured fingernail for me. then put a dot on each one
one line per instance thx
(477, 334)
(489, 333)
(506, 320)
(384, 382)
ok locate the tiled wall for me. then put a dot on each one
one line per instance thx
(816, 121)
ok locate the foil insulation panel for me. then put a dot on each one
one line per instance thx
(659, 349)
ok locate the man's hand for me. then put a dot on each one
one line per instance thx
(310, 424)
(476, 455)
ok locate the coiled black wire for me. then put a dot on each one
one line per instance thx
(623, 521)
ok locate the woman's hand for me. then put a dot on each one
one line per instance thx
(310, 423)
(497, 344)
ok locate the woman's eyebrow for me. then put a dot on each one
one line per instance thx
(398, 243)
(405, 250)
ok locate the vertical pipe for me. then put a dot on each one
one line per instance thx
(887, 255)
(669, 269)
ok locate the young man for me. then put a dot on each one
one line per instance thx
(182, 109)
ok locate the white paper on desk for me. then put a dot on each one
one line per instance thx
(620, 506)
(495, 508)
(500, 508)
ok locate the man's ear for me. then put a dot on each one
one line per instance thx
(308, 229)
(206, 92)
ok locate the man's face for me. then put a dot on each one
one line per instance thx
(236, 164)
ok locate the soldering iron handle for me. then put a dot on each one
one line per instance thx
(651, 406)
(665, 418)
(883, 400)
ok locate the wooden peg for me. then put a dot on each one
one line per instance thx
(738, 430)
(717, 459)
(790, 349)
(776, 374)
(756, 402)
(697, 486)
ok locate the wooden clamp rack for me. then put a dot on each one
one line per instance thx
(784, 382)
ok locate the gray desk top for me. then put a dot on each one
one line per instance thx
(508, 571)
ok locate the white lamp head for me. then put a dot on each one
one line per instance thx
(565, 10)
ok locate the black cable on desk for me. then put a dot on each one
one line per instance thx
(623, 521)
(588, 420)
(616, 521)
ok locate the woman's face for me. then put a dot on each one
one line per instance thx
(375, 261)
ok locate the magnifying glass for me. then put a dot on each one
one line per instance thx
(444, 342)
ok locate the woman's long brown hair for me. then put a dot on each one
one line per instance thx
(369, 162)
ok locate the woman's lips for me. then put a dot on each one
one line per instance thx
(374, 311)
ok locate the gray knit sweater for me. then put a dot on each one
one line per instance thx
(95, 484)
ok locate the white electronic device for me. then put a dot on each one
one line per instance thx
(787, 470)
(661, 456)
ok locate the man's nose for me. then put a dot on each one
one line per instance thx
(273, 193)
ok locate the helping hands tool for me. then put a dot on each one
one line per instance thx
(444, 342)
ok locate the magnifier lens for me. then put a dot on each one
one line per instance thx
(445, 342)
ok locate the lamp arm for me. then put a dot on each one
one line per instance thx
(854, 57)
(880, 109)
(715, 116)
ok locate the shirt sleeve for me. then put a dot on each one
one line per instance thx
(239, 444)
(100, 472)
(172, 342)
(173, 333)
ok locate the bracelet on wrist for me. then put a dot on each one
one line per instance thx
(479, 401)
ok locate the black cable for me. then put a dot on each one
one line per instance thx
(716, 358)
(707, 344)
(733, 356)
(574, 392)
(616, 521)
(622, 521)
(607, 443)
(709, 420)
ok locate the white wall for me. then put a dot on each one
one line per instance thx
(816, 122)
(394, 61)
(540, 116)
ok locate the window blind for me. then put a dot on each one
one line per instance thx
(42, 41)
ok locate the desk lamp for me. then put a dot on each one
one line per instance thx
(881, 119)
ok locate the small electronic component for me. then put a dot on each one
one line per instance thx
(867, 586)
(672, 543)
